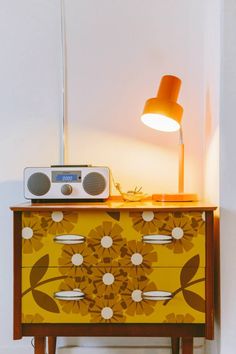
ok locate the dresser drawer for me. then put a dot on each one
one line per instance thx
(113, 294)
(159, 239)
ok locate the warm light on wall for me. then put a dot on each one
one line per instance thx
(165, 114)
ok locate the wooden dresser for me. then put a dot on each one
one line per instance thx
(113, 269)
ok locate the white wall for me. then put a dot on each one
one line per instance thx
(211, 131)
(117, 52)
(30, 75)
(228, 179)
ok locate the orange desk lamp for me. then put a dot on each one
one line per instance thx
(164, 113)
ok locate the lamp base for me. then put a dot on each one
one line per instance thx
(177, 197)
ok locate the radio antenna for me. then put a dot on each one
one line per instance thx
(63, 118)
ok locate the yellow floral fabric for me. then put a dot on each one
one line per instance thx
(180, 228)
(58, 222)
(146, 222)
(106, 241)
(107, 311)
(198, 222)
(138, 257)
(108, 280)
(76, 260)
(32, 233)
(179, 318)
(132, 301)
(113, 267)
(74, 306)
(36, 318)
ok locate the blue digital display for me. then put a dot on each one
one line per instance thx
(66, 178)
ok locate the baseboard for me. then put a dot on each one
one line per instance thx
(27, 349)
(95, 350)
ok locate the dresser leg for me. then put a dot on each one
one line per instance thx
(187, 345)
(175, 345)
(52, 342)
(39, 345)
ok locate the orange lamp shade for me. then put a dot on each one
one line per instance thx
(163, 112)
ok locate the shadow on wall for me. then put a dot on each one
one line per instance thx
(11, 193)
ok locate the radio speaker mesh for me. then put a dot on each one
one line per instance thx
(94, 183)
(38, 183)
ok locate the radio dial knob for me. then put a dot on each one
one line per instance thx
(66, 189)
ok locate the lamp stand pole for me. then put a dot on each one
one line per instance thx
(181, 162)
(180, 196)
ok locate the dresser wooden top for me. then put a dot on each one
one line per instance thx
(111, 205)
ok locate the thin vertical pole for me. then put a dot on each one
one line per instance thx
(181, 162)
(63, 118)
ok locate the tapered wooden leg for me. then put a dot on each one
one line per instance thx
(52, 342)
(39, 345)
(175, 345)
(187, 345)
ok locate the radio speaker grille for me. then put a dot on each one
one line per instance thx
(94, 183)
(38, 183)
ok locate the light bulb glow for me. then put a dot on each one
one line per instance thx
(160, 122)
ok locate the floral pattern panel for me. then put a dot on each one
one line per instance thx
(113, 267)
(108, 236)
(112, 294)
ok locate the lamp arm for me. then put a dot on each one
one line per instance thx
(181, 162)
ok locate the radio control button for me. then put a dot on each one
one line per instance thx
(66, 189)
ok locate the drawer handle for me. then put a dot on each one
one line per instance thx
(69, 239)
(157, 239)
(157, 295)
(70, 295)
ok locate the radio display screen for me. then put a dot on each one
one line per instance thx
(66, 176)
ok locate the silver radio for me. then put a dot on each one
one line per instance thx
(66, 183)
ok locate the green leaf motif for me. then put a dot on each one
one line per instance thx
(115, 215)
(45, 301)
(189, 270)
(194, 300)
(38, 270)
